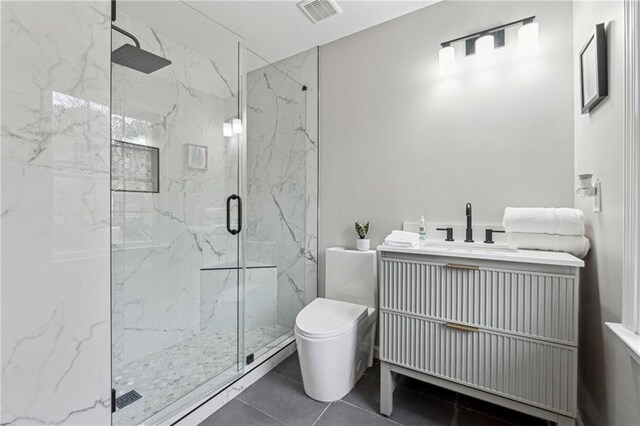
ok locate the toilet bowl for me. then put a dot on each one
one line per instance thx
(335, 336)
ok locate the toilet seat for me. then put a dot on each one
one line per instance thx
(326, 318)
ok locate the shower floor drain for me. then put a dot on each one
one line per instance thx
(126, 399)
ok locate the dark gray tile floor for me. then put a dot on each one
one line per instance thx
(278, 398)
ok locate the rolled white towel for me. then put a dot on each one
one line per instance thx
(576, 245)
(562, 221)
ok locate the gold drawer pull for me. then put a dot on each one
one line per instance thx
(460, 266)
(461, 327)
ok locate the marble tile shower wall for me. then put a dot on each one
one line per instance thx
(303, 67)
(162, 240)
(281, 177)
(55, 213)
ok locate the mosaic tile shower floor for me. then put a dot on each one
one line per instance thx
(165, 376)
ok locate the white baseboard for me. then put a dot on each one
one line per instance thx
(214, 404)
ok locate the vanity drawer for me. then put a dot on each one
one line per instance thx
(531, 304)
(530, 371)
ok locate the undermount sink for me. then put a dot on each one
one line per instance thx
(479, 250)
(461, 245)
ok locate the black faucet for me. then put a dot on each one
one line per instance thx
(469, 234)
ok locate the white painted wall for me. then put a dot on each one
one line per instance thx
(609, 388)
(399, 141)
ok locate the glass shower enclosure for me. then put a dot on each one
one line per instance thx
(208, 209)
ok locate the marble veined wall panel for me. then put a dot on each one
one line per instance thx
(282, 175)
(55, 305)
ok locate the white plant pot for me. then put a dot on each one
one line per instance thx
(363, 244)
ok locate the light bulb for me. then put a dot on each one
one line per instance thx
(447, 60)
(237, 125)
(484, 48)
(226, 130)
(528, 37)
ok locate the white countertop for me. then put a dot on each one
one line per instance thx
(486, 252)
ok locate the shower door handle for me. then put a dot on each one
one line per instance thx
(229, 199)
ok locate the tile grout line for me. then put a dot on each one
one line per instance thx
(323, 411)
(454, 417)
(457, 405)
(287, 377)
(257, 409)
(484, 413)
(371, 412)
(421, 392)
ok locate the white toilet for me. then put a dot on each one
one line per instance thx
(335, 336)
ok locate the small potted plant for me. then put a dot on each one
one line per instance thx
(362, 242)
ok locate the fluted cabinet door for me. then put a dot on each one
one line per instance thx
(527, 370)
(531, 304)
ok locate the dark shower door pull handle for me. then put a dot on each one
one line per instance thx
(229, 199)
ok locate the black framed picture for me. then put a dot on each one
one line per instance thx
(594, 81)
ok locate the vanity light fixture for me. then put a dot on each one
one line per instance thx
(236, 123)
(528, 36)
(227, 130)
(485, 41)
(447, 60)
(587, 188)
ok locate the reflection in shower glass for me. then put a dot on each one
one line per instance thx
(134, 167)
(164, 239)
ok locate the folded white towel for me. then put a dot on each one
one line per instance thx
(402, 239)
(402, 236)
(576, 245)
(401, 245)
(563, 221)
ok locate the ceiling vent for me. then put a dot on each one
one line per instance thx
(319, 10)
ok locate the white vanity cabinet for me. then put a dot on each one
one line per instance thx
(502, 327)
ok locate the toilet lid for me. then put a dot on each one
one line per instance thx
(325, 317)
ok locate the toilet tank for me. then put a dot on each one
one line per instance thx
(351, 276)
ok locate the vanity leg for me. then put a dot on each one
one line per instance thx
(566, 421)
(387, 385)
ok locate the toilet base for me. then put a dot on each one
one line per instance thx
(331, 367)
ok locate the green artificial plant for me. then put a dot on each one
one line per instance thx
(362, 230)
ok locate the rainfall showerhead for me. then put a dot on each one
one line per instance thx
(138, 59)
(135, 57)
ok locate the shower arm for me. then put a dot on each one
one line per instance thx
(128, 34)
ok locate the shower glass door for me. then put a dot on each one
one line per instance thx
(276, 247)
(177, 263)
